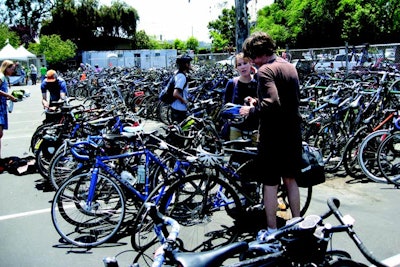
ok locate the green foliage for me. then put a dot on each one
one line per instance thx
(223, 30)
(319, 23)
(82, 21)
(6, 34)
(118, 20)
(54, 49)
(219, 43)
(179, 45)
(192, 44)
(25, 16)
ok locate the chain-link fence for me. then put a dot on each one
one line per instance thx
(387, 51)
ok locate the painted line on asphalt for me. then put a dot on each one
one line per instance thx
(23, 214)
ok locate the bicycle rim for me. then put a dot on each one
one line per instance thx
(389, 158)
(204, 207)
(143, 235)
(367, 155)
(83, 224)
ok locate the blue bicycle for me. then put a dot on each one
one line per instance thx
(89, 207)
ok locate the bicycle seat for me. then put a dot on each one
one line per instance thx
(211, 258)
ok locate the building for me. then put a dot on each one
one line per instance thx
(143, 59)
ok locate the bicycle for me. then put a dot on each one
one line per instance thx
(388, 156)
(215, 206)
(301, 242)
(89, 207)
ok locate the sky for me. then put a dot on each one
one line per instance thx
(179, 19)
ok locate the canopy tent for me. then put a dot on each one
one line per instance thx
(21, 54)
(24, 52)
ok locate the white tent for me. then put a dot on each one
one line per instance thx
(21, 54)
(24, 52)
(7, 51)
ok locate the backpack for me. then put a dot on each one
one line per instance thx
(166, 94)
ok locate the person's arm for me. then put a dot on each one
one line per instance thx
(8, 96)
(228, 91)
(180, 81)
(179, 96)
(268, 92)
(63, 89)
(45, 103)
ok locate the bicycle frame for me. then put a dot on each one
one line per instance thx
(100, 163)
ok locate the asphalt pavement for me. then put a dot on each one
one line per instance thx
(28, 237)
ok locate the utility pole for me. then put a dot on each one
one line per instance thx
(242, 23)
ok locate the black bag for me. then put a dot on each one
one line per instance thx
(312, 169)
(166, 94)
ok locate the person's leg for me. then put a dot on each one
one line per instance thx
(293, 196)
(270, 203)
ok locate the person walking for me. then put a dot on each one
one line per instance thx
(280, 144)
(179, 106)
(6, 69)
(43, 71)
(237, 90)
(33, 74)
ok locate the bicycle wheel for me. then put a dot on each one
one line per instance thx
(164, 113)
(331, 139)
(367, 155)
(389, 158)
(83, 223)
(246, 173)
(143, 235)
(61, 166)
(43, 156)
(204, 206)
(350, 161)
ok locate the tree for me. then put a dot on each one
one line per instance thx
(54, 49)
(25, 16)
(83, 21)
(179, 45)
(222, 30)
(321, 23)
(118, 20)
(218, 42)
(6, 34)
(192, 44)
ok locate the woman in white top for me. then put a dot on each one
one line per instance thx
(179, 106)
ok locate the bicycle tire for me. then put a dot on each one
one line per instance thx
(37, 136)
(43, 156)
(331, 139)
(164, 113)
(61, 166)
(367, 155)
(143, 235)
(246, 170)
(204, 206)
(389, 158)
(86, 225)
(350, 161)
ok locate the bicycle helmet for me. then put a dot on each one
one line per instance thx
(231, 112)
(180, 61)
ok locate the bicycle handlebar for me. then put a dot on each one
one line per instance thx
(76, 154)
(167, 243)
(349, 229)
